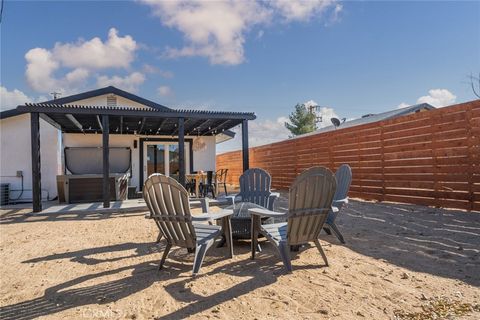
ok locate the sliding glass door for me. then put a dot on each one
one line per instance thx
(162, 157)
(155, 159)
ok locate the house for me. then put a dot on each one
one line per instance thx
(68, 137)
(369, 118)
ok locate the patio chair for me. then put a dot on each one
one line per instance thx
(344, 179)
(255, 186)
(208, 186)
(169, 206)
(221, 179)
(310, 200)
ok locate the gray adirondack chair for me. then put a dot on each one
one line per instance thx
(344, 179)
(169, 206)
(255, 187)
(310, 200)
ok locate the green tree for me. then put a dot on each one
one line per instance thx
(301, 121)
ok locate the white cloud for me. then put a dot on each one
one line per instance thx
(165, 91)
(302, 10)
(403, 105)
(267, 131)
(40, 68)
(148, 68)
(130, 82)
(115, 52)
(11, 99)
(217, 29)
(438, 98)
(68, 66)
(335, 17)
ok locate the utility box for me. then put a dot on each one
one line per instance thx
(4, 194)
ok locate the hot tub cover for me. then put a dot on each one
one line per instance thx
(89, 160)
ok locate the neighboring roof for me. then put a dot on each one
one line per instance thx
(91, 94)
(375, 117)
(128, 120)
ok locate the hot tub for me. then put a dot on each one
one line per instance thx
(84, 183)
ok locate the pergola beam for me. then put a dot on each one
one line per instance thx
(162, 122)
(36, 163)
(106, 163)
(217, 127)
(174, 114)
(75, 122)
(50, 121)
(245, 158)
(181, 151)
(99, 122)
(191, 129)
(178, 127)
(142, 125)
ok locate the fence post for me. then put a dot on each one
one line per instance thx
(382, 159)
(330, 152)
(435, 128)
(471, 157)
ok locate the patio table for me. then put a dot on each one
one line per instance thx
(241, 220)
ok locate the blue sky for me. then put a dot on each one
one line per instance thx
(354, 57)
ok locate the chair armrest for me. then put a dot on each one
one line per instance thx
(340, 201)
(230, 199)
(266, 213)
(274, 194)
(213, 216)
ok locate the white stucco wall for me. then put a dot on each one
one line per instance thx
(15, 155)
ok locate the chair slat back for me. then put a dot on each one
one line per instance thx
(310, 199)
(255, 186)
(169, 205)
(344, 179)
(221, 175)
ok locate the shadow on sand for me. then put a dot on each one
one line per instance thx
(261, 272)
(440, 242)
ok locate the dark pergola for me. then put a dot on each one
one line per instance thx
(126, 120)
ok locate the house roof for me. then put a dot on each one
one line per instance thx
(127, 120)
(376, 117)
(107, 90)
(91, 94)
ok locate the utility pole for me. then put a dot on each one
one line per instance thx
(55, 95)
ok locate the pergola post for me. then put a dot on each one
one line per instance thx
(245, 159)
(106, 163)
(181, 151)
(36, 172)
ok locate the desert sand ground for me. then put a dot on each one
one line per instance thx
(399, 261)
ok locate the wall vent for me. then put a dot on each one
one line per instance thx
(111, 100)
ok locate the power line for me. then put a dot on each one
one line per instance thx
(1, 12)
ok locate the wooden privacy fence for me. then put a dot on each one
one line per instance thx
(427, 158)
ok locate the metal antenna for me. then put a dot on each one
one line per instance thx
(55, 95)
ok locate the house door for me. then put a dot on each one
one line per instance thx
(162, 157)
